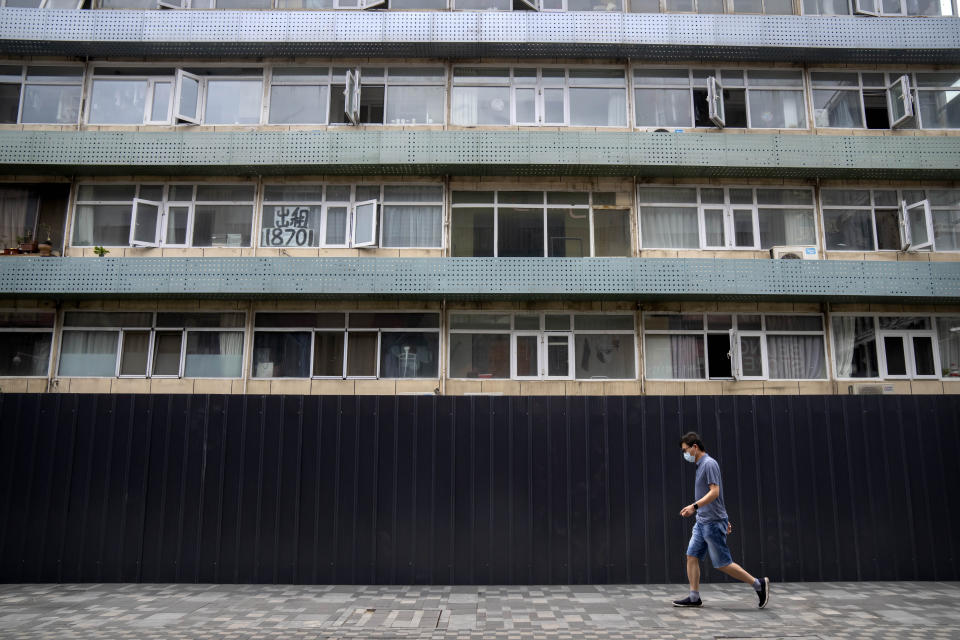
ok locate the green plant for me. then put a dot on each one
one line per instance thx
(100, 251)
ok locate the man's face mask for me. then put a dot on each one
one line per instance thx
(688, 456)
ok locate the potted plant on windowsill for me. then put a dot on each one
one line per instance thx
(45, 246)
(100, 251)
(27, 242)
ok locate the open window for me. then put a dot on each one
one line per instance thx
(187, 101)
(734, 355)
(173, 4)
(364, 232)
(531, 5)
(715, 107)
(900, 102)
(372, 4)
(351, 96)
(916, 226)
(145, 225)
(866, 7)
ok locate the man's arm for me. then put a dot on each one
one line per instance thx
(712, 495)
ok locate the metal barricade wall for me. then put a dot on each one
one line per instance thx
(469, 490)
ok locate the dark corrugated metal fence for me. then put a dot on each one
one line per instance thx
(503, 490)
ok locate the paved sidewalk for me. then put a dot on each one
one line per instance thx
(800, 611)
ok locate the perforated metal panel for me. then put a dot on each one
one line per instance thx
(526, 153)
(661, 37)
(480, 278)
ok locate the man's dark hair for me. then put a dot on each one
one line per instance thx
(692, 438)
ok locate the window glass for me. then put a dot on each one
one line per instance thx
(136, 348)
(948, 339)
(674, 357)
(362, 354)
(415, 104)
(9, 102)
(688, 321)
(118, 101)
(471, 232)
(412, 225)
(291, 225)
(848, 229)
(213, 354)
(480, 105)
(669, 227)
(281, 354)
(663, 107)
(834, 108)
(520, 232)
(568, 233)
(24, 354)
(611, 232)
(777, 109)
(604, 356)
(904, 323)
(794, 323)
(946, 229)
(603, 322)
(598, 107)
(328, 353)
(664, 195)
(479, 355)
(166, 353)
(298, 104)
(222, 225)
(491, 321)
(939, 109)
(97, 319)
(51, 104)
(409, 354)
(233, 101)
(88, 353)
(780, 227)
(855, 347)
(198, 320)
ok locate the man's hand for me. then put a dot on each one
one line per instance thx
(687, 511)
(729, 527)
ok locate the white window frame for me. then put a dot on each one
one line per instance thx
(345, 331)
(906, 231)
(120, 346)
(726, 207)
(908, 353)
(137, 202)
(735, 336)
(165, 204)
(542, 336)
(25, 82)
(355, 224)
(715, 106)
(173, 4)
(860, 7)
(589, 209)
(351, 95)
(49, 331)
(906, 101)
(318, 81)
(178, 115)
(538, 86)
(880, 350)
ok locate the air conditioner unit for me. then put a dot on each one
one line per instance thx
(869, 389)
(794, 253)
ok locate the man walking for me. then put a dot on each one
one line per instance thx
(711, 529)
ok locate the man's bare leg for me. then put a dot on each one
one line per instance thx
(733, 570)
(693, 573)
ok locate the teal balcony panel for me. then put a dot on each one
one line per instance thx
(460, 35)
(349, 151)
(637, 279)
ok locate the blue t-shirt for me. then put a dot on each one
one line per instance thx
(708, 473)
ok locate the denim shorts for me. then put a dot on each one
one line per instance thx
(710, 536)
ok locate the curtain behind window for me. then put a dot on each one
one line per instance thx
(796, 357)
(16, 215)
(411, 226)
(669, 227)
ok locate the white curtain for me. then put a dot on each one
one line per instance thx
(679, 357)
(212, 354)
(844, 338)
(669, 227)
(89, 353)
(463, 105)
(949, 345)
(83, 226)
(16, 217)
(796, 357)
(411, 226)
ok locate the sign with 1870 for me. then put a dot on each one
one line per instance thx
(291, 227)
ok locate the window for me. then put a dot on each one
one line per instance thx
(43, 4)
(25, 339)
(948, 339)
(725, 217)
(173, 215)
(889, 346)
(533, 96)
(40, 95)
(299, 95)
(868, 100)
(146, 344)
(938, 100)
(19, 209)
(770, 7)
(536, 223)
(398, 95)
(346, 345)
(740, 346)
(768, 99)
(879, 7)
(891, 219)
(130, 95)
(542, 346)
(398, 216)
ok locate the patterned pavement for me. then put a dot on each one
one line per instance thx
(798, 611)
